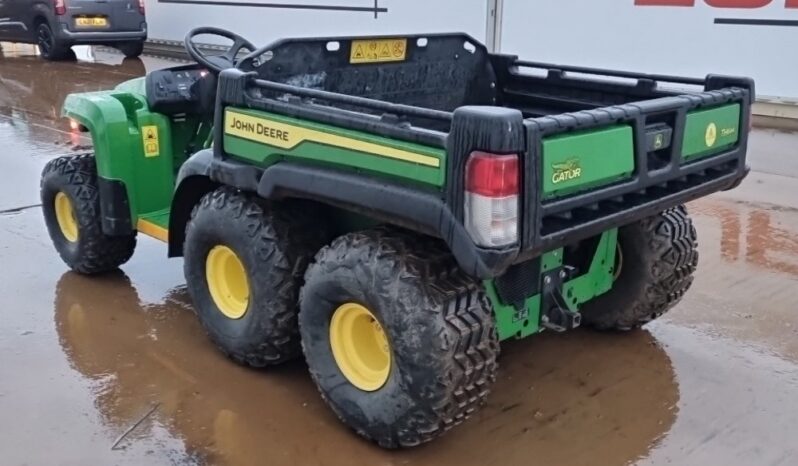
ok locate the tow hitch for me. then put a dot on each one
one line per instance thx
(555, 314)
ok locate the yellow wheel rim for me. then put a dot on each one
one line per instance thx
(65, 215)
(360, 347)
(227, 282)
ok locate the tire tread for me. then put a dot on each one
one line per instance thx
(469, 343)
(671, 256)
(100, 253)
(284, 237)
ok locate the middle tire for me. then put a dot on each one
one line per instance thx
(400, 342)
(244, 265)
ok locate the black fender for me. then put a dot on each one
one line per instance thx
(411, 207)
(199, 175)
(193, 181)
(114, 207)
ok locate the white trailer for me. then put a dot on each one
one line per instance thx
(678, 37)
(263, 21)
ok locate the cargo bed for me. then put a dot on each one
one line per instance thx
(599, 148)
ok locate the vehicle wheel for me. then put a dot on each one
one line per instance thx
(400, 342)
(50, 48)
(244, 265)
(71, 206)
(131, 49)
(656, 260)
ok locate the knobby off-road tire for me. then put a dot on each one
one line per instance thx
(438, 324)
(92, 252)
(274, 243)
(658, 256)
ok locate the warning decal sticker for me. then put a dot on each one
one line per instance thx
(378, 51)
(149, 135)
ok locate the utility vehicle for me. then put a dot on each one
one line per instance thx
(396, 206)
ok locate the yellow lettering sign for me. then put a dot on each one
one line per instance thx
(566, 171)
(288, 136)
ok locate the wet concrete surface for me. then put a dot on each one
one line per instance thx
(82, 360)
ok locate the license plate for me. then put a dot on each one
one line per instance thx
(91, 22)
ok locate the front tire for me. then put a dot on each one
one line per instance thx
(50, 47)
(400, 342)
(71, 206)
(657, 258)
(244, 264)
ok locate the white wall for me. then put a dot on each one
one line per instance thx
(673, 40)
(262, 25)
(602, 33)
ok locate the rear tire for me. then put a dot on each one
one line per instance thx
(271, 245)
(434, 322)
(131, 49)
(71, 206)
(658, 256)
(50, 47)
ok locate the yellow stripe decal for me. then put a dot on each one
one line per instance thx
(285, 136)
(150, 229)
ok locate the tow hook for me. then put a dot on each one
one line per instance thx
(554, 311)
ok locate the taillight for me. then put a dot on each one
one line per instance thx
(60, 7)
(491, 198)
(141, 6)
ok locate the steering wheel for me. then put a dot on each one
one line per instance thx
(216, 63)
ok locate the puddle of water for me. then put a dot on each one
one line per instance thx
(559, 398)
(747, 282)
(105, 350)
(736, 405)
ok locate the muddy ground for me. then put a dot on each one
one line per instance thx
(81, 360)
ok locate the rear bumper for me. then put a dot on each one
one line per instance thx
(549, 224)
(101, 37)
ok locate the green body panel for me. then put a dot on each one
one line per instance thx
(116, 120)
(134, 86)
(510, 323)
(711, 131)
(599, 278)
(159, 218)
(322, 152)
(579, 161)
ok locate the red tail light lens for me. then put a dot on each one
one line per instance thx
(491, 199)
(60, 7)
(492, 175)
(141, 7)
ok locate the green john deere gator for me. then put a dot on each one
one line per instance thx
(394, 207)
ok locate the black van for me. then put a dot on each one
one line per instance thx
(56, 25)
